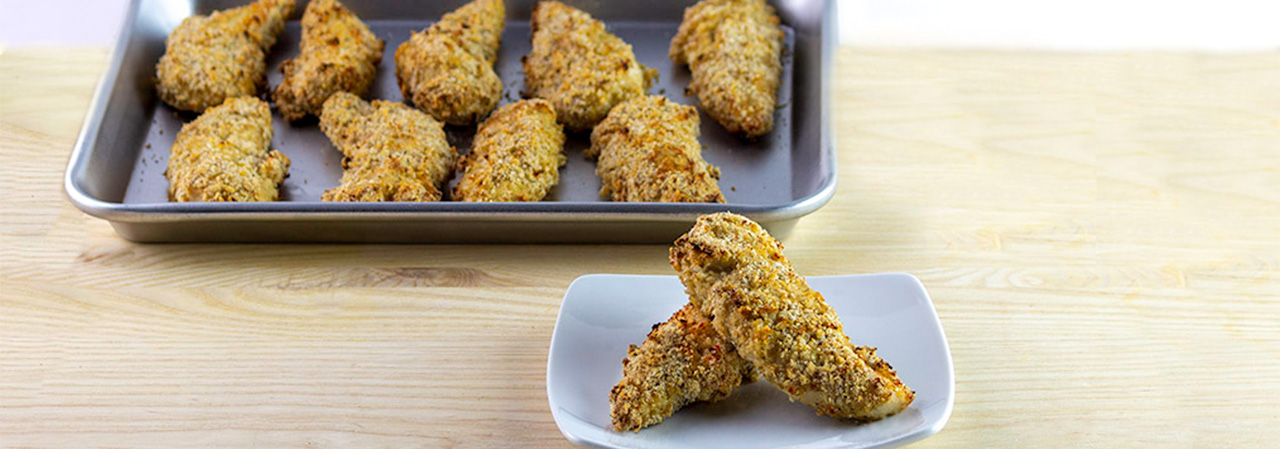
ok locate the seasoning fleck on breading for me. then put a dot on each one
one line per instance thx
(733, 48)
(736, 273)
(209, 59)
(338, 53)
(515, 156)
(224, 155)
(648, 150)
(579, 66)
(393, 152)
(682, 361)
(447, 70)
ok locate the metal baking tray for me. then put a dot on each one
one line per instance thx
(116, 169)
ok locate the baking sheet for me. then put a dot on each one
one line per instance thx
(116, 170)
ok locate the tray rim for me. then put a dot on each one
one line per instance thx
(512, 211)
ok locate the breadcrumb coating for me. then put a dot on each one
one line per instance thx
(476, 26)
(208, 59)
(682, 361)
(447, 70)
(734, 49)
(515, 156)
(338, 53)
(648, 150)
(224, 155)
(736, 274)
(579, 66)
(393, 152)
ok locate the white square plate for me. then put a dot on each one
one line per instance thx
(602, 314)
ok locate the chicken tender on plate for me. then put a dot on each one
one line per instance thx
(736, 273)
(208, 59)
(682, 361)
(225, 155)
(579, 66)
(647, 149)
(338, 53)
(733, 48)
(447, 70)
(393, 152)
(515, 156)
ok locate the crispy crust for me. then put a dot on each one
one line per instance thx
(579, 66)
(682, 361)
(393, 152)
(338, 53)
(736, 273)
(733, 48)
(516, 155)
(224, 155)
(648, 150)
(447, 70)
(210, 59)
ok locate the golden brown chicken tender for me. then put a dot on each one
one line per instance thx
(736, 273)
(648, 150)
(224, 155)
(338, 53)
(447, 70)
(210, 59)
(516, 155)
(733, 48)
(579, 66)
(682, 361)
(393, 152)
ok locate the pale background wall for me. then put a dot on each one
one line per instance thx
(1227, 25)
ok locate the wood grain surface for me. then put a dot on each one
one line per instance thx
(1100, 232)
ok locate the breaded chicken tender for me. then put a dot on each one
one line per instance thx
(224, 55)
(647, 150)
(579, 66)
(224, 155)
(736, 273)
(682, 361)
(733, 48)
(338, 53)
(447, 70)
(393, 152)
(515, 156)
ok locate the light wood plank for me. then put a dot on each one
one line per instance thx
(1100, 232)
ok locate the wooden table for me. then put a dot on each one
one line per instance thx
(1101, 235)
